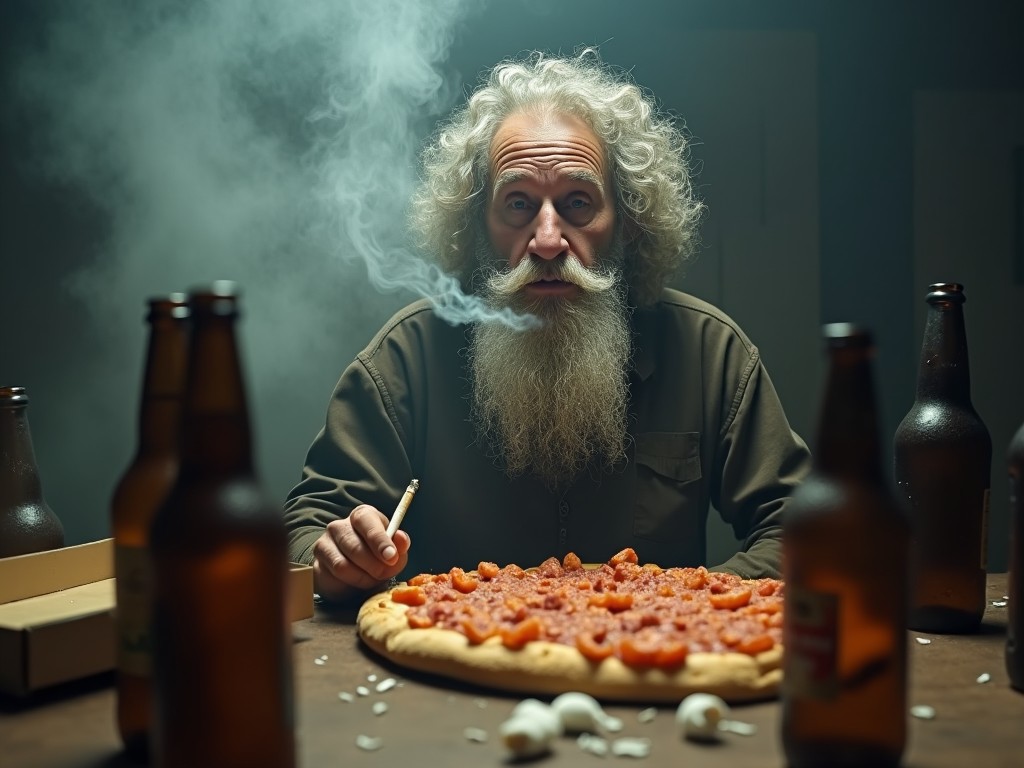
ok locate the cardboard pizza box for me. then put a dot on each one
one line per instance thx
(56, 614)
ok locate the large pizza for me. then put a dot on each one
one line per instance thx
(617, 631)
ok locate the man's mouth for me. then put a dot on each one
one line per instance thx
(549, 286)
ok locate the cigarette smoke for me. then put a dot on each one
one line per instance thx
(273, 142)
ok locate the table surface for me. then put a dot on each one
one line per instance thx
(975, 724)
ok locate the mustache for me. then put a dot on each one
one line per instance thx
(508, 283)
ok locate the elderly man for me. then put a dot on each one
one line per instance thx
(612, 420)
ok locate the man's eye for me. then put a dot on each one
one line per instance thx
(578, 203)
(518, 205)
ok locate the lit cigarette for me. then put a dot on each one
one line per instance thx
(403, 507)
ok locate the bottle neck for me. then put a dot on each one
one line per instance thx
(848, 434)
(163, 387)
(216, 438)
(943, 372)
(19, 476)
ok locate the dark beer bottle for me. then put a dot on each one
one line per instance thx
(140, 491)
(222, 644)
(1015, 623)
(27, 524)
(844, 563)
(942, 462)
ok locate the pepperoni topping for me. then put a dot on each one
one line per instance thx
(646, 616)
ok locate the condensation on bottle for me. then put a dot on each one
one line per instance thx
(942, 463)
(222, 642)
(846, 536)
(141, 489)
(27, 523)
(1015, 606)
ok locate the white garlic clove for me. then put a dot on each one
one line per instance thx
(581, 712)
(698, 715)
(526, 735)
(543, 713)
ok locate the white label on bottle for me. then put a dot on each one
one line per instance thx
(811, 643)
(984, 532)
(134, 587)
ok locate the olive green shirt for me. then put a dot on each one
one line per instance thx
(705, 425)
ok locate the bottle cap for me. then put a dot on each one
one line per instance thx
(217, 298)
(846, 335)
(942, 292)
(10, 396)
(173, 304)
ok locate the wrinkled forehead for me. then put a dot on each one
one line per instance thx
(546, 145)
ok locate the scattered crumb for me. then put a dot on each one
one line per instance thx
(923, 712)
(628, 746)
(923, 640)
(386, 685)
(595, 745)
(647, 715)
(984, 677)
(476, 735)
(346, 696)
(362, 690)
(380, 707)
(369, 743)
(319, 662)
(371, 678)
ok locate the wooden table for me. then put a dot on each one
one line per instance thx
(979, 725)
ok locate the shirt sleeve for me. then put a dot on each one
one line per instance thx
(359, 457)
(760, 462)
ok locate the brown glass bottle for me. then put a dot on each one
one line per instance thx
(139, 492)
(27, 524)
(845, 545)
(221, 641)
(942, 459)
(1015, 620)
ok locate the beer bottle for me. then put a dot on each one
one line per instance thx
(844, 563)
(1015, 623)
(141, 489)
(27, 524)
(221, 641)
(942, 462)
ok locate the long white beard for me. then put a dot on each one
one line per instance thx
(550, 401)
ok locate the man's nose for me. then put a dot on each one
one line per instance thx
(548, 242)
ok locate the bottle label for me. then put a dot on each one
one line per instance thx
(984, 532)
(133, 586)
(811, 643)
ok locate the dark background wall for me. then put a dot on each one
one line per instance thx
(149, 150)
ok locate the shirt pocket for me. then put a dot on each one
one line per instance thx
(667, 494)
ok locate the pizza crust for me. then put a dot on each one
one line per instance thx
(551, 668)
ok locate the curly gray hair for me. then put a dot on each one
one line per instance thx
(647, 152)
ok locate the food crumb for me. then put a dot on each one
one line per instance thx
(369, 743)
(923, 640)
(386, 685)
(362, 690)
(379, 707)
(647, 715)
(999, 603)
(595, 745)
(346, 696)
(476, 735)
(319, 662)
(923, 712)
(984, 677)
(371, 678)
(627, 746)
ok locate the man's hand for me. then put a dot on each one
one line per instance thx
(356, 554)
